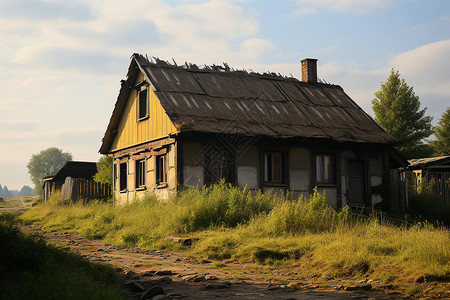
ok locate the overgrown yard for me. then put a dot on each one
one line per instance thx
(271, 235)
(32, 269)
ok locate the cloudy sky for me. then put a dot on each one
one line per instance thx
(61, 62)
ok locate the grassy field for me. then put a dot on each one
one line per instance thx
(271, 235)
(11, 202)
(32, 269)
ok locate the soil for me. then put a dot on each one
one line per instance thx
(186, 278)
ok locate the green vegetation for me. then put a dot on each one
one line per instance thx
(11, 202)
(268, 232)
(425, 204)
(442, 133)
(31, 269)
(104, 170)
(47, 162)
(397, 110)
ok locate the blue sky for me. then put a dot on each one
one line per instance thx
(61, 62)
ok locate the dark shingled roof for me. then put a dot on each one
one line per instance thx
(218, 100)
(76, 169)
(429, 162)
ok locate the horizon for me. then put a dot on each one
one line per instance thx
(61, 63)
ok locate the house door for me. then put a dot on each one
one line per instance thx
(356, 195)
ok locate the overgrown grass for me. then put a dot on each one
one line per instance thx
(31, 269)
(267, 232)
(425, 204)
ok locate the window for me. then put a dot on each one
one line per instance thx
(273, 167)
(161, 169)
(324, 168)
(142, 104)
(140, 173)
(123, 176)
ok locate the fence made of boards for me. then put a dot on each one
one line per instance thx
(76, 189)
(440, 182)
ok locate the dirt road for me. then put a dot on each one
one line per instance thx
(186, 278)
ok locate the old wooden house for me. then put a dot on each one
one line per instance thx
(175, 127)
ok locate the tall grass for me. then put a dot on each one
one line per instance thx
(425, 204)
(265, 230)
(31, 269)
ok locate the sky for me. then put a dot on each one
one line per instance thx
(61, 62)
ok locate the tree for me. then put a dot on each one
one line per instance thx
(47, 162)
(104, 170)
(397, 110)
(441, 145)
(6, 192)
(26, 191)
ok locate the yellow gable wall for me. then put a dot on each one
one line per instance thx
(130, 132)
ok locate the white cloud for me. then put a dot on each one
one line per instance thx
(344, 6)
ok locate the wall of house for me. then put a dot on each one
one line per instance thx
(162, 191)
(299, 171)
(247, 165)
(131, 131)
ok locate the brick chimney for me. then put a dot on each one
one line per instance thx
(309, 70)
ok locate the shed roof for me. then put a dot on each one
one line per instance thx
(75, 169)
(218, 100)
(429, 162)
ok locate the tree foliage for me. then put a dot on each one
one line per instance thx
(441, 145)
(397, 110)
(47, 162)
(104, 170)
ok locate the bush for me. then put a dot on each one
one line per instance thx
(220, 205)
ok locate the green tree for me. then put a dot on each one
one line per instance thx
(104, 170)
(47, 162)
(397, 110)
(441, 145)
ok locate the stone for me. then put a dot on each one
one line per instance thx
(191, 277)
(363, 287)
(218, 285)
(164, 280)
(211, 277)
(135, 287)
(148, 273)
(150, 293)
(164, 273)
(159, 297)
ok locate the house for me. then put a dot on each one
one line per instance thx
(73, 169)
(436, 169)
(175, 127)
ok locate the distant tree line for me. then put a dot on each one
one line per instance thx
(24, 191)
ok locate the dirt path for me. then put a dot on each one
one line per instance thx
(184, 278)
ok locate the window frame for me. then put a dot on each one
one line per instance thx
(140, 174)
(140, 99)
(123, 177)
(266, 178)
(323, 170)
(161, 169)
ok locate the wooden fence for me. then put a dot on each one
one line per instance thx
(76, 189)
(398, 192)
(440, 182)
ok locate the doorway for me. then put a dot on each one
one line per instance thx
(356, 195)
